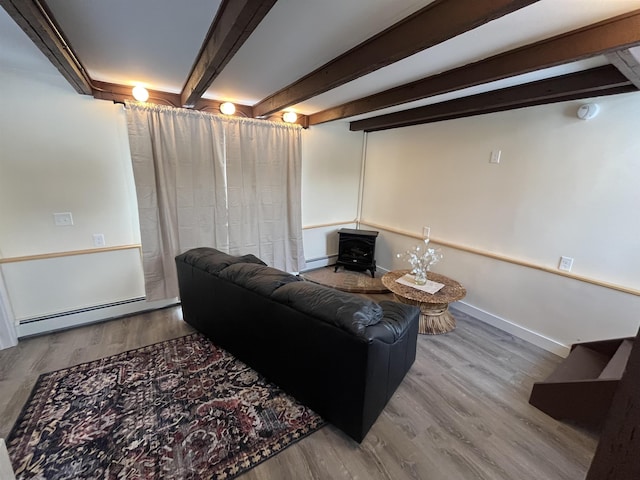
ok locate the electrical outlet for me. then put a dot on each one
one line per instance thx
(98, 240)
(565, 264)
(426, 232)
(64, 219)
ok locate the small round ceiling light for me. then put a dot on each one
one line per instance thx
(227, 108)
(290, 117)
(140, 93)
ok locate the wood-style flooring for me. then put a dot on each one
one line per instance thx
(460, 413)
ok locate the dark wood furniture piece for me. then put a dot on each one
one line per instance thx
(356, 250)
(617, 457)
(435, 317)
(583, 385)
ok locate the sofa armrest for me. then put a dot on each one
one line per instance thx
(396, 320)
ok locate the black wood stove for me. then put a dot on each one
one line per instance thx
(356, 250)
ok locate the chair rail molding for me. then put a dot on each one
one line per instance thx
(505, 258)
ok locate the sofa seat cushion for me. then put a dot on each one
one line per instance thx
(214, 261)
(345, 310)
(257, 278)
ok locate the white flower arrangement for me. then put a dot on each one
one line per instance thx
(421, 258)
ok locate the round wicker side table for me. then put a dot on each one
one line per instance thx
(435, 317)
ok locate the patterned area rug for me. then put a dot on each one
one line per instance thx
(180, 409)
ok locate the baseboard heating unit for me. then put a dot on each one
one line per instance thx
(83, 316)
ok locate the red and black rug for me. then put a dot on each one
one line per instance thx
(180, 409)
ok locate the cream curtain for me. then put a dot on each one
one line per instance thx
(208, 180)
(8, 335)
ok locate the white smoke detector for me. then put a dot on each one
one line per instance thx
(588, 111)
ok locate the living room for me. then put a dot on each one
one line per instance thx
(563, 187)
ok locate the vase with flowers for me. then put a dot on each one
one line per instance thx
(421, 257)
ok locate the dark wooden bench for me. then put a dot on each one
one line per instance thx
(583, 385)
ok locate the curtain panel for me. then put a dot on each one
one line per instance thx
(209, 180)
(8, 334)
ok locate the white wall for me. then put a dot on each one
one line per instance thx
(64, 152)
(331, 167)
(564, 187)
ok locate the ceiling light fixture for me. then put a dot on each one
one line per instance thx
(227, 108)
(140, 93)
(289, 117)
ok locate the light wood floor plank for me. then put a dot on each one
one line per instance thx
(462, 411)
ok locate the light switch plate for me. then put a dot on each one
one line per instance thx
(64, 219)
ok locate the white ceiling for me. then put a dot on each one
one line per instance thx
(148, 41)
(155, 42)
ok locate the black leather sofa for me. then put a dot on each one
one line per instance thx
(339, 354)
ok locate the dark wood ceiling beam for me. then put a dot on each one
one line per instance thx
(234, 22)
(40, 26)
(600, 38)
(121, 93)
(606, 80)
(435, 23)
(628, 62)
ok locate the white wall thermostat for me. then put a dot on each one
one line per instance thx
(588, 111)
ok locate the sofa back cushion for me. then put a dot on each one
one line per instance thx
(214, 261)
(257, 278)
(345, 310)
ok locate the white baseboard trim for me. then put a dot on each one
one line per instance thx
(319, 262)
(514, 329)
(486, 317)
(27, 328)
